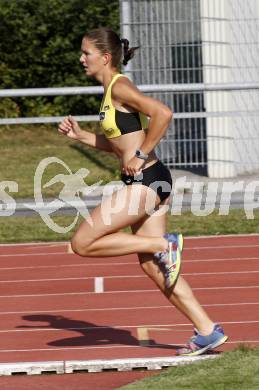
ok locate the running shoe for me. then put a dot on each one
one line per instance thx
(170, 260)
(199, 344)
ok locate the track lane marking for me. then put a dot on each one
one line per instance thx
(33, 254)
(70, 266)
(200, 237)
(135, 264)
(185, 249)
(174, 325)
(98, 285)
(124, 291)
(114, 346)
(125, 308)
(127, 276)
(35, 244)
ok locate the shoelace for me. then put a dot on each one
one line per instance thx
(190, 346)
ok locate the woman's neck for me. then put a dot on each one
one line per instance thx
(106, 77)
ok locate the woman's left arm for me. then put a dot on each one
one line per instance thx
(160, 115)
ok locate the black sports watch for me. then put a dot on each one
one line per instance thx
(141, 154)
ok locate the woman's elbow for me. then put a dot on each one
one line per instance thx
(167, 114)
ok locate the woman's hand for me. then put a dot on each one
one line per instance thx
(133, 166)
(70, 127)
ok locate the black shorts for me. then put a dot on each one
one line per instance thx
(156, 176)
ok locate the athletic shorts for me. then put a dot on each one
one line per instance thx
(156, 176)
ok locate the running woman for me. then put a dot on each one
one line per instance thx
(143, 201)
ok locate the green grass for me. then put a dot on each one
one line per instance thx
(214, 224)
(236, 370)
(22, 148)
(32, 229)
(29, 229)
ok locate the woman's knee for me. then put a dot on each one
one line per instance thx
(79, 246)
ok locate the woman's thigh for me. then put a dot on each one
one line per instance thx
(153, 225)
(124, 208)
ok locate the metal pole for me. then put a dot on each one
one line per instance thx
(200, 87)
(125, 28)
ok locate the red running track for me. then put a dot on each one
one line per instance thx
(50, 307)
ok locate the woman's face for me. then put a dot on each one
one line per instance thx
(91, 59)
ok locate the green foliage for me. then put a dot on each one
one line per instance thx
(40, 47)
(8, 108)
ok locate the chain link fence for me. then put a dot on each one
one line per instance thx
(201, 42)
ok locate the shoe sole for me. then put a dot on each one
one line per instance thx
(179, 249)
(207, 348)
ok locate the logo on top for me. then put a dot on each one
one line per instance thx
(102, 115)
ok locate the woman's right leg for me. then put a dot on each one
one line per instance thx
(99, 234)
(181, 296)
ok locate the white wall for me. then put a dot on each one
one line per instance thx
(230, 54)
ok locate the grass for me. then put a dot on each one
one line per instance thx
(29, 229)
(22, 148)
(32, 229)
(214, 224)
(236, 370)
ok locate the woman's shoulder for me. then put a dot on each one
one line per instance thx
(123, 85)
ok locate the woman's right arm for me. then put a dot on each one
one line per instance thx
(70, 127)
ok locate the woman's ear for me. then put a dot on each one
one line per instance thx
(107, 58)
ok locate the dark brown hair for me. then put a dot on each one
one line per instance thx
(108, 41)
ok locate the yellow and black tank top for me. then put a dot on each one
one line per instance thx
(114, 122)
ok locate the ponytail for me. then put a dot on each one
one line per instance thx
(128, 53)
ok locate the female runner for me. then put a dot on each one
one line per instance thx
(143, 201)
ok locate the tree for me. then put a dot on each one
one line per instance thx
(40, 47)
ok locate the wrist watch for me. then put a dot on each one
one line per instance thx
(141, 154)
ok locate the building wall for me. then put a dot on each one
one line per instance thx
(230, 55)
(196, 41)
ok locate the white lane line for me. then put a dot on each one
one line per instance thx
(200, 237)
(246, 259)
(113, 346)
(135, 264)
(126, 308)
(237, 236)
(75, 348)
(64, 243)
(155, 290)
(70, 266)
(102, 327)
(126, 276)
(34, 244)
(185, 249)
(98, 285)
(66, 279)
(34, 254)
(222, 247)
(220, 273)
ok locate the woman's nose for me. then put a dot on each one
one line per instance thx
(81, 58)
